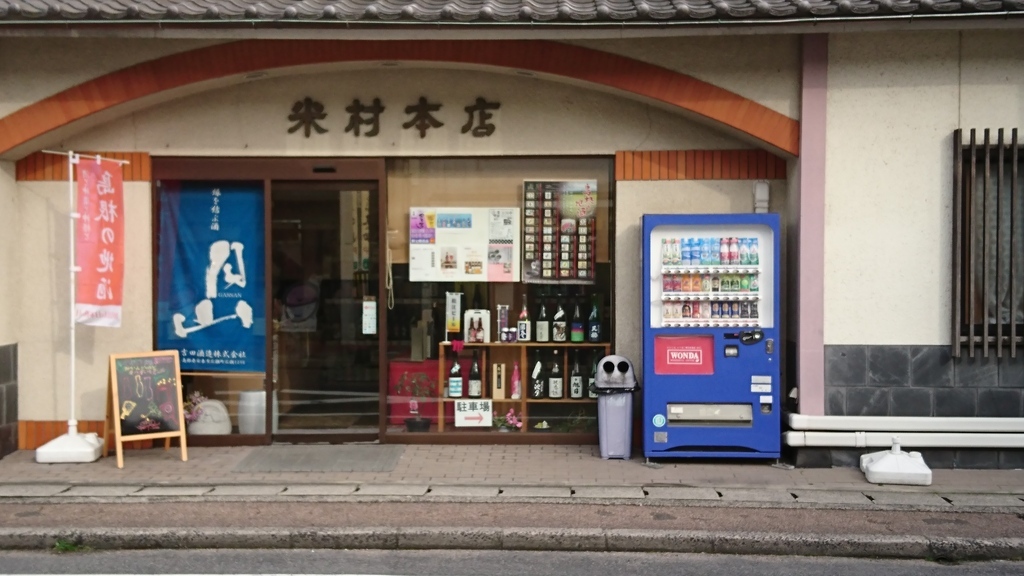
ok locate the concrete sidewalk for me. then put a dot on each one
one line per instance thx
(501, 497)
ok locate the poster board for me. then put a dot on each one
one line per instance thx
(144, 400)
(464, 244)
(559, 219)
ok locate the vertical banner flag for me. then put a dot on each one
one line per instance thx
(99, 243)
(210, 295)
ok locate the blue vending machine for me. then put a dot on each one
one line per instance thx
(711, 336)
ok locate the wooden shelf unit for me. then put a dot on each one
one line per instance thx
(508, 353)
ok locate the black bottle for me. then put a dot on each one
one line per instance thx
(455, 378)
(594, 322)
(577, 328)
(576, 378)
(538, 383)
(556, 387)
(543, 326)
(475, 386)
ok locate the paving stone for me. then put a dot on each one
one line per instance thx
(100, 490)
(984, 499)
(608, 492)
(466, 491)
(830, 497)
(31, 490)
(173, 491)
(681, 493)
(907, 498)
(319, 490)
(738, 495)
(392, 490)
(537, 491)
(246, 490)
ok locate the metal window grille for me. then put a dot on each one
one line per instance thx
(988, 275)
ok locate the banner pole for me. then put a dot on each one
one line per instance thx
(72, 161)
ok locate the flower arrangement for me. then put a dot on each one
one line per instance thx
(509, 420)
(191, 407)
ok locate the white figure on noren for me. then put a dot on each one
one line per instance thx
(220, 252)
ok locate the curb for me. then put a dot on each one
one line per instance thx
(535, 539)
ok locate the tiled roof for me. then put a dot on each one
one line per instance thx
(481, 11)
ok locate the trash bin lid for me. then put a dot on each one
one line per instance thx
(615, 372)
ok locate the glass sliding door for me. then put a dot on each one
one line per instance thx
(324, 284)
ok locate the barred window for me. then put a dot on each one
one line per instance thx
(988, 274)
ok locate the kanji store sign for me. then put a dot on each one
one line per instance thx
(421, 116)
(99, 243)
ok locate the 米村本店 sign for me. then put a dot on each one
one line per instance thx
(310, 117)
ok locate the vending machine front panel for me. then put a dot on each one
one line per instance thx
(710, 315)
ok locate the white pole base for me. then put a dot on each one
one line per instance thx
(71, 448)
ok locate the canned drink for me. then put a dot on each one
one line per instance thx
(726, 311)
(716, 310)
(706, 283)
(716, 283)
(753, 311)
(755, 283)
(735, 309)
(705, 310)
(745, 283)
(666, 283)
(744, 310)
(754, 257)
(677, 283)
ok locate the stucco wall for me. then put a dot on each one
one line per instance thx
(765, 69)
(34, 68)
(43, 312)
(536, 117)
(889, 173)
(8, 254)
(634, 199)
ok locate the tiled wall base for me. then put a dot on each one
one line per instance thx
(921, 381)
(34, 433)
(973, 459)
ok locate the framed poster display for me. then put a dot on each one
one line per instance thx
(558, 231)
(464, 244)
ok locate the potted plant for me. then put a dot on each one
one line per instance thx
(418, 386)
(510, 421)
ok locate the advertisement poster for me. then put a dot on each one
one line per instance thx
(99, 243)
(464, 244)
(558, 231)
(210, 295)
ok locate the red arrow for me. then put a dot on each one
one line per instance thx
(477, 417)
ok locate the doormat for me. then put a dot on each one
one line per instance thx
(341, 458)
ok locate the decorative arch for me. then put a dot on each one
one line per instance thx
(716, 104)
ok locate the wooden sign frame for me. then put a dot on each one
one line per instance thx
(113, 419)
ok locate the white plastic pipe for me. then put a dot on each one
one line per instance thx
(904, 424)
(907, 439)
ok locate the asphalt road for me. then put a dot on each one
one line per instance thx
(466, 563)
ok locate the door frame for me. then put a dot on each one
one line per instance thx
(268, 170)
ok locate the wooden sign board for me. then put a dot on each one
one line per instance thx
(144, 400)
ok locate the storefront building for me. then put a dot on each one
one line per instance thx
(353, 164)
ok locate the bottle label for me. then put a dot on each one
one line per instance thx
(555, 387)
(455, 387)
(543, 334)
(576, 387)
(577, 332)
(595, 333)
(558, 331)
(476, 388)
(537, 389)
(524, 330)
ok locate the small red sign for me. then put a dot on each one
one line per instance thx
(688, 355)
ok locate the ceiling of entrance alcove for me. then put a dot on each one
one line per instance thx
(539, 115)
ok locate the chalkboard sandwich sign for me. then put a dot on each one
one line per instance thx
(144, 400)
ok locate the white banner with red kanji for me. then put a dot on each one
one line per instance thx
(99, 243)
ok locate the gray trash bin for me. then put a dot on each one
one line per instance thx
(615, 383)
